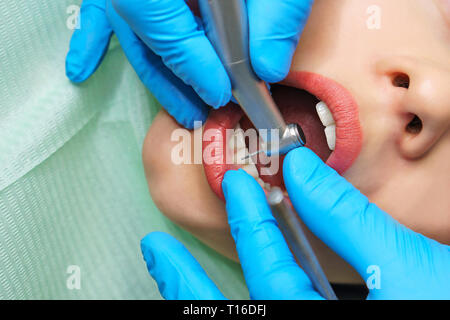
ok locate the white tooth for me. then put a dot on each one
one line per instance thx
(237, 140)
(240, 140)
(325, 114)
(260, 181)
(251, 170)
(239, 156)
(330, 133)
(237, 143)
(267, 186)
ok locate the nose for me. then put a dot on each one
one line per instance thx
(422, 96)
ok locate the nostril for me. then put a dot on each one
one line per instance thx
(400, 80)
(415, 126)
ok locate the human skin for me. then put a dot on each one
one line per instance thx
(395, 73)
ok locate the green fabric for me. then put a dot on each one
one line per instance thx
(72, 185)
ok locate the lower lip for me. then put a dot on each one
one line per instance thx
(338, 99)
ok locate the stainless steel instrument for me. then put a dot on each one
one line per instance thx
(292, 231)
(226, 25)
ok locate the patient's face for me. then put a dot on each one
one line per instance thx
(383, 69)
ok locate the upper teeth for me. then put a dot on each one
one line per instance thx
(327, 119)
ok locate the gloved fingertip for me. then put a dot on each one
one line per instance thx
(190, 125)
(226, 182)
(270, 74)
(301, 162)
(215, 88)
(299, 153)
(216, 99)
(74, 70)
(89, 42)
(192, 112)
(153, 242)
(243, 192)
(233, 178)
(224, 99)
(153, 239)
(272, 66)
(189, 121)
(146, 245)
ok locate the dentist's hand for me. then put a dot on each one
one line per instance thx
(406, 264)
(167, 47)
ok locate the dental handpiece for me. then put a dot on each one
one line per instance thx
(226, 25)
(292, 231)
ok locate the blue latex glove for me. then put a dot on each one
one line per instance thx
(410, 265)
(168, 49)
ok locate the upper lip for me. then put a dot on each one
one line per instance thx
(345, 113)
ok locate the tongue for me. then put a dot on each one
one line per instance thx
(297, 106)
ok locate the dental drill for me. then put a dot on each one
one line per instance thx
(226, 26)
(300, 247)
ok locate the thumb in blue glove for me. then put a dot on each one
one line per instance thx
(275, 29)
(89, 42)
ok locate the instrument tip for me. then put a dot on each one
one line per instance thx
(252, 155)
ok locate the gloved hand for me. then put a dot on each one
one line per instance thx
(168, 44)
(409, 265)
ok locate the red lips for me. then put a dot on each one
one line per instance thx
(296, 107)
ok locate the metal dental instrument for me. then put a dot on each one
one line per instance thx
(226, 25)
(298, 243)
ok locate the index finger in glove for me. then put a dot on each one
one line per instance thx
(169, 28)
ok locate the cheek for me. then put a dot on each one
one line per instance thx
(415, 194)
(445, 4)
(184, 196)
(181, 191)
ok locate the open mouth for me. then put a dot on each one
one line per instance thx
(325, 110)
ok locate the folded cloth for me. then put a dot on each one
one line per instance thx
(74, 201)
